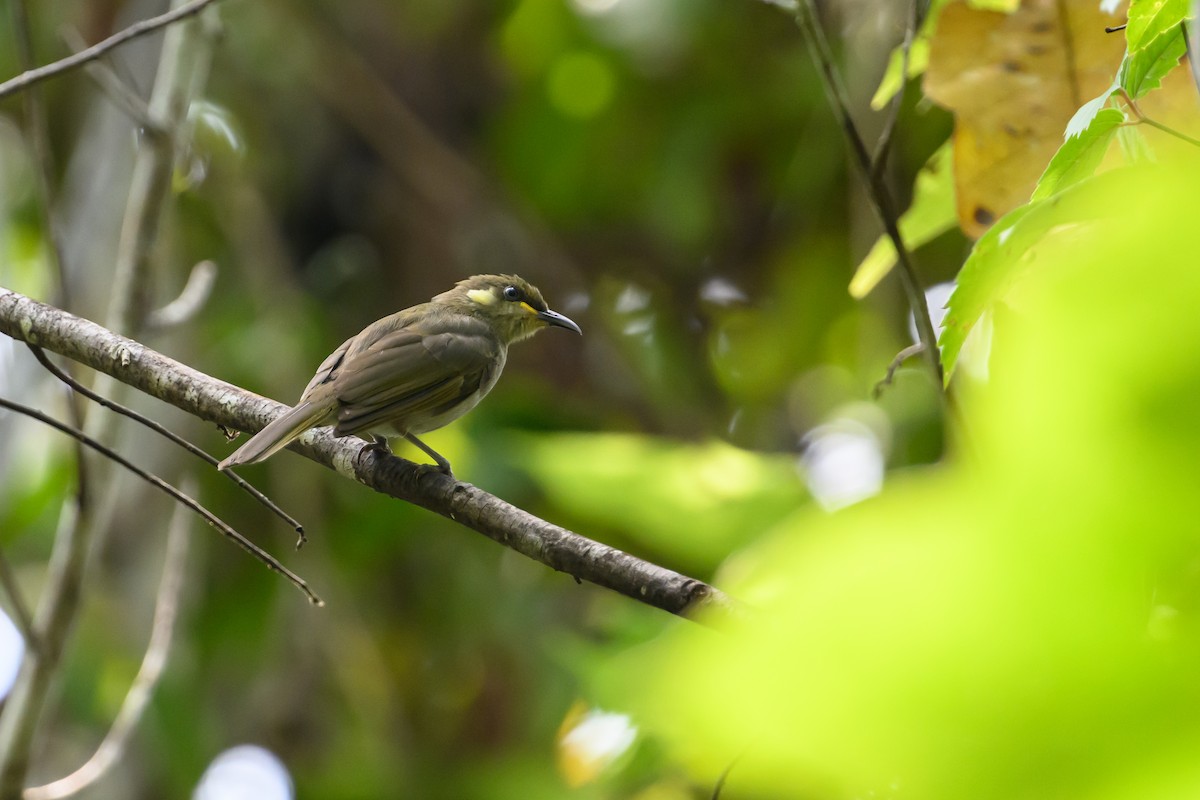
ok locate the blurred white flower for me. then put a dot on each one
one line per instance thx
(245, 772)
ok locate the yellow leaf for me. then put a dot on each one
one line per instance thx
(1013, 81)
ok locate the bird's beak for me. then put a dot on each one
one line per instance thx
(554, 318)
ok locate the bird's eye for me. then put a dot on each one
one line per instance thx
(512, 293)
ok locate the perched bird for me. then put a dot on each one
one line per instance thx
(416, 370)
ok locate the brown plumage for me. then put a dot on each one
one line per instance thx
(416, 370)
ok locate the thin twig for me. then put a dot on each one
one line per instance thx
(157, 482)
(901, 357)
(720, 784)
(191, 299)
(121, 93)
(166, 606)
(140, 28)
(161, 430)
(1114, 28)
(1145, 120)
(881, 200)
(36, 131)
(1192, 55)
(20, 608)
(884, 144)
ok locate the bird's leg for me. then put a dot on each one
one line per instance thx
(378, 444)
(442, 464)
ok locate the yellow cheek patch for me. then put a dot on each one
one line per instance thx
(484, 297)
(529, 308)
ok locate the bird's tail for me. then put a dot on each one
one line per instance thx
(277, 435)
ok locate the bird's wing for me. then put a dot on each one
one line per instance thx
(412, 374)
(328, 369)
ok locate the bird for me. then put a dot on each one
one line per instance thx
(413, 371)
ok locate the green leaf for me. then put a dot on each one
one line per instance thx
(1144, 69)
(1088, 111)
(971, 626)
(930, 215)
(1079, 155)
(918, 55)
(693, 503)
(918, 59)
(1149, 19)
(1154, 43)
(1005, 251)
(1134, 147)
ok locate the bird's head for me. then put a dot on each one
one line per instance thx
(511, 305)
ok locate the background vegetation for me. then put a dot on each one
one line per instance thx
(1013, 616)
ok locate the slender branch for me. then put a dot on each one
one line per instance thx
(52, 624)
(1145, 120)
(36, 132)
(166, 607)
(20, 609)
(191, 299)
(901, 357)
(881, 200)
(182, 59)
(224, 404)
(118, 91)
(79, 529)
(179, 497)
(141, 28)
(883, 145)
(161, 430)
(1193, 55)
(1170, 131)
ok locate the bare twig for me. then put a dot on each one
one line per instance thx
(901, 357)
(141, 28)
(121, 93)
(79, 528)
(881, 200)
(158, 483)
(883, 145)
(183, 62)
(166, 607)
(52, 622)
(224, 404)
(161, 430)
(1145, 120)
(1193, 54)
(1114, 28)
(39, 144)
(191, 299)
(20, 609)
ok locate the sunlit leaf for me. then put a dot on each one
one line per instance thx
(930, 215)
(1005, 252)
(1013, 81)
(1144, 69)
(971, 627)
(1080, 155)
(1150, 19)
(918, 55)
(695, 502)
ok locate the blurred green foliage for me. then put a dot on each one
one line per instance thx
(1012, 624)
(1013, 621)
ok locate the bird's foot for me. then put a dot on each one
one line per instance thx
(440, 463)
(379, 446)
(443, 467)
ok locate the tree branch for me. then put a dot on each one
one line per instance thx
(178, 496)
(141, 28)
(881, 199)
(166, 607)
(225, 404)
